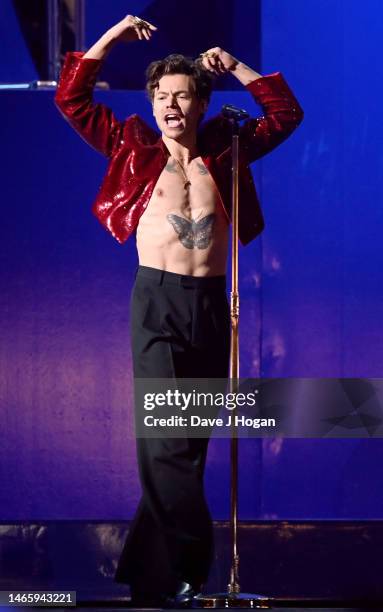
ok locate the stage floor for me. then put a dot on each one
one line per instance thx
(278, 609)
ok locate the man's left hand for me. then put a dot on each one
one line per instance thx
(218, 61)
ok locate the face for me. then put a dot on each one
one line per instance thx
(176, 106)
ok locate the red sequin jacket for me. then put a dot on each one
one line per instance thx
(138, 154)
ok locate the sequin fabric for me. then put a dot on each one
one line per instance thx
(137, 154)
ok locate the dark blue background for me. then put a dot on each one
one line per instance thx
(311, 286)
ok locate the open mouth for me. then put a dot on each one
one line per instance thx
(173, 120)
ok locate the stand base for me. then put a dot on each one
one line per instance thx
(232, 600)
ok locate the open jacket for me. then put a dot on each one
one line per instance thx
(138, 154)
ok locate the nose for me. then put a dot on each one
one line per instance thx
(172, 101)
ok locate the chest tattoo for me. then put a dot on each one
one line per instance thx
(202, 168)
(193, 233)
(171, 166)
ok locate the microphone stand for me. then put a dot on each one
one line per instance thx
(233, 598)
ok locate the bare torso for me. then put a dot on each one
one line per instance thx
(184, 229)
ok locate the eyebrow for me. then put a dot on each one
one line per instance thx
(176, 92)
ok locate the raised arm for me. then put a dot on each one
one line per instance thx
(96, 123)
(128, 29)
(282, 111)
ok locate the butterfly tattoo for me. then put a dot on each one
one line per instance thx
(193, 233)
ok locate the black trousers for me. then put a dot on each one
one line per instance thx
(180, 328)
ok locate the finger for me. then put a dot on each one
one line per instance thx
(150, 25)
(218, 65)
(146, 33)
(204, 60)
(207, 66)
(211, 62)
(138, 32)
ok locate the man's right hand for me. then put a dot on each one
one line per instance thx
(133, 28)
(129, 29)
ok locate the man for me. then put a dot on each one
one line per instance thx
(174, 191)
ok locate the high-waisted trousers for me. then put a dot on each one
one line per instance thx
(180, 328)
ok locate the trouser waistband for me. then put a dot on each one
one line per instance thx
(163, 277)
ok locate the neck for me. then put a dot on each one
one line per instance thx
(184, 152)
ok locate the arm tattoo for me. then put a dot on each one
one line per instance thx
(192, 233)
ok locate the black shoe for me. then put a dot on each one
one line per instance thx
(183, 597)
(146, 601)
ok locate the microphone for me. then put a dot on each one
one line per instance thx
(233, 112)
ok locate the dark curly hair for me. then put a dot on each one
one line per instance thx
(179, 64)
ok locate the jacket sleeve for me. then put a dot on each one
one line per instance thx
(96, 123)
(281, 116)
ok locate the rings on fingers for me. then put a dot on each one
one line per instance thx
(138, 22)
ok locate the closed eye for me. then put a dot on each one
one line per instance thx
(183, 94)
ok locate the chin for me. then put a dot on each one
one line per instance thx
(175, 135)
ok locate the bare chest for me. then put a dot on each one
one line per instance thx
(187, 190)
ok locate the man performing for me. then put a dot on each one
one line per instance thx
(174, 191)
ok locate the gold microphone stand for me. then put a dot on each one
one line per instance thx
(233, 598)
